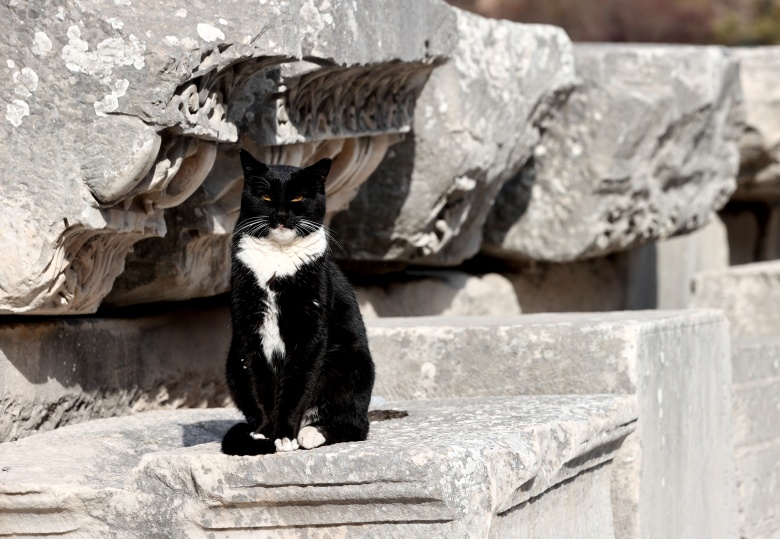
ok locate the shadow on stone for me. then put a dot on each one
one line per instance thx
(515, 196)
(204, 432)
(384, 415)
(379, 202)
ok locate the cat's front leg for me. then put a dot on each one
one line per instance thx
(296, 385)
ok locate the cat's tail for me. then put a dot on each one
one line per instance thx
(239, 441)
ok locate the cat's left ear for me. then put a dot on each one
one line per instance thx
(251, 165)
(319, 170)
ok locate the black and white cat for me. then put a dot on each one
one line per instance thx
(299, 367)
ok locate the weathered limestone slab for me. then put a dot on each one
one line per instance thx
(452, 468)
(131, 102)
(756, 427)
(476, 123)
(645, 148)
(676, 363)
(53, 373)
(759, 174)
(446, 293)
(748, 294)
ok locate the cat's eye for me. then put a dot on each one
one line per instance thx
(297, 199)
(266, 198)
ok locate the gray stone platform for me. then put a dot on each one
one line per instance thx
(756, 427)
(677, 363)
(530, 467)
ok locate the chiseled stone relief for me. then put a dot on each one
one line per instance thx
(115, 115)
(194, 261)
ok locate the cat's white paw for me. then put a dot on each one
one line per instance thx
(257, 436)
(310, 437)
(285, 444)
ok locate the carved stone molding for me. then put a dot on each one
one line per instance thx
(192, 260)
(114, 114)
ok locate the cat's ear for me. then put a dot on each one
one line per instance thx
(251, 165)
(319, 170)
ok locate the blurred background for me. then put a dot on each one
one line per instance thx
(725, 22)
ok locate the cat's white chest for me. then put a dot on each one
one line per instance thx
(267, 259)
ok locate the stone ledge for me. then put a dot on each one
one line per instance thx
(452, 468)
(677, 363)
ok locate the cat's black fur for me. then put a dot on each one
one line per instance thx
(326, 362)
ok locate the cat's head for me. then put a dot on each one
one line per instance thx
(281, 202)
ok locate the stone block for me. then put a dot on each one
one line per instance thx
(759, 174)
(53, 373)
(646, 147)
(476, 123)
(451, 468)
(756, 427)
(758, 476)
(676, 363)
(446, 293)
(748, 294)
(132, 103)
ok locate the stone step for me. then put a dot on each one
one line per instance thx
(756, 427)
(486, 467)
(677, 363)
(749, 295)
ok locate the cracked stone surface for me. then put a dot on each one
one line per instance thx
(132, 103)
(759, 174)
(645, 148)
(476, 123)
(535, 467)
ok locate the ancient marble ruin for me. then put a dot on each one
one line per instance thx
(505, 202)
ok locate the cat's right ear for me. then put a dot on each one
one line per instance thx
(251, 166)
